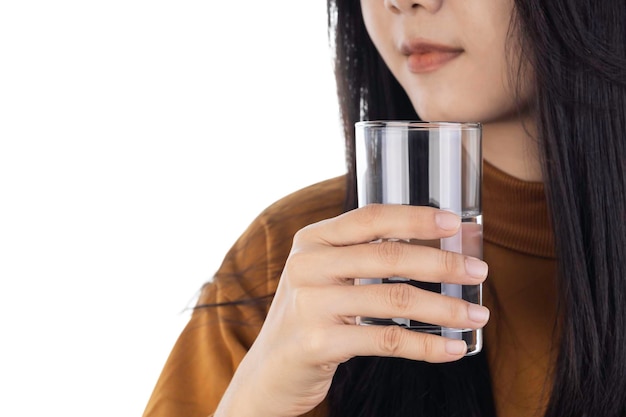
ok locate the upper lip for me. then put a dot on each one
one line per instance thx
(423, 46)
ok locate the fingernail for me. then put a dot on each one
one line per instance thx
(477, 313)
(456, 347)
(447, 220)
(476, 267)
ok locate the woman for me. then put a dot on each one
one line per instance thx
(547, 80)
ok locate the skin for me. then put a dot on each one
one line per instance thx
(310, 327)
(478, 85)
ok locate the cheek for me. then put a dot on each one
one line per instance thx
(500, 88)
(370, 18)
(381, 29)
(468, 97)
(377, 26)
(480, 87)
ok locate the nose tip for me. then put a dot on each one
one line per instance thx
(411, 6)
(401, 6)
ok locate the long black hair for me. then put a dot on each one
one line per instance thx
(576, 50)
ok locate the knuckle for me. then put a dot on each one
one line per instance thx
(457, 312)
(428, 346)
(400, 297)
(389, 252)
(369, 214)
(302, 300)
(448, 262)
(391, 340)
(303, 235)
(298, 263)
(292, 266)
(314, 342)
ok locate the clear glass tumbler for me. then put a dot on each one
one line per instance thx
(437, 164)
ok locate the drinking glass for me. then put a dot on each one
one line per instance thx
(436, 164)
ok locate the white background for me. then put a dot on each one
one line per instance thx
(137, 140)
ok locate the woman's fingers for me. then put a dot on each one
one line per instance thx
(310, 327)
(318, 303)
(397, 258)
(381, 221)
(388, 301)
(385, 259)
(350, 341)
(370, 242)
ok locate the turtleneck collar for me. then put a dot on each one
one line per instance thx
(515, 213)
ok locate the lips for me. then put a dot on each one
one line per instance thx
(425, 56)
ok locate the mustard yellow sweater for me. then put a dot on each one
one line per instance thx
(520, 291)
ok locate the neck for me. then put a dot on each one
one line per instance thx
(511, 146)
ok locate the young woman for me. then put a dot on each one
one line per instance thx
(274, 334)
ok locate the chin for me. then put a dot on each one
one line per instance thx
(433, 111)
(459, 108)
(460, 113)
(447, 116)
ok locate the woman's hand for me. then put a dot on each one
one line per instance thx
(310, 328)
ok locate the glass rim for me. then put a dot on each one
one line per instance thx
(417, 124)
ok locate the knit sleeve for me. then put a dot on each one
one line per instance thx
(222, 327)
(232, 307)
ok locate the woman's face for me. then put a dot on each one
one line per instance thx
(450, 56)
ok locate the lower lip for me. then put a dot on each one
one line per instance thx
(430, 61)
